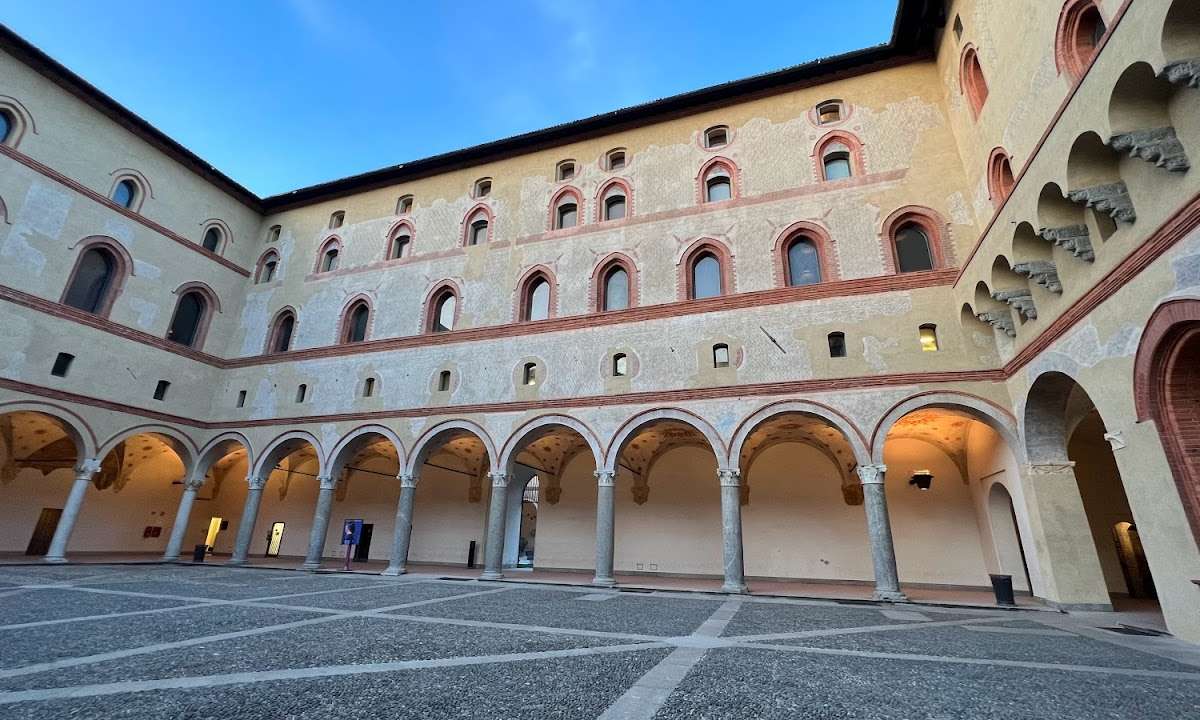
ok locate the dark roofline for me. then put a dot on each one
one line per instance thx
(912, 39)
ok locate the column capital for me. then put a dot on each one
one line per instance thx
(605, 478)
(871, 474)
(328, 482)
(87, 468)
(408, 480)
(255, 482)
(194, 483)
(729, 477)
(499, 479)
(1050, 468)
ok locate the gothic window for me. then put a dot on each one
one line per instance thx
(803, 262)
(189, 317)
(705, 276)
(913, 252)
(93, 281)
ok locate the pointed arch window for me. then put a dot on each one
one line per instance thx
(706, 276)
(835, 161)
(913, 239)
(330, 256)
(400, 242)
(443, 310)
(268, 267)
(478, 227)
(616, 288)
(537, 296)
(913, 252)
(565, 209)
(355, 322)
(280, 338)
(803, 261)
(613, 201)
(974, 86)
(1000, 177)
(96, 279)
(191, 315)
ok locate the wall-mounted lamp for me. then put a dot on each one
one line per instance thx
(921, 479)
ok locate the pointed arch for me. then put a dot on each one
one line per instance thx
(710, 173)
(838, 142)
(600, 282)
(357, 319)
(101, 266)
(472, 232)
(267, 267)
(556, 210)
(141, 189)
(400, 238)
(696, 252)
(282, 331)
(20, 121)
(535, 302)
(818, 236)
(928, 221)
(224, 235)
(191, 328)
(610, 190)
(329, 257)
(432, 315)
(1000, 178)
(1077, 38)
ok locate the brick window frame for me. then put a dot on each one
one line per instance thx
(332, 243)
(525, 288)
(122, 268)
(433, 298)
(212, 305)
(971, 80)
(600, 272)
(605, 188)
(471, 217)
(396, 231)
(854, 146)
(935, 228)
(567, 191)
(684, 288)
(706, 171)
(820, 238)
(261, 265)
(1073, 47)
(1000, 178)
(277, 325)
(351, 306)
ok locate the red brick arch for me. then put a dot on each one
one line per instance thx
(1166, 383)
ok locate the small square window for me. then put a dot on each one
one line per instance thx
(829, 112)
(241, 401)
(620, 365)
(336, 219)
(720, 355)
(929, 341)
(62, 364)
(529, 377)
(273, 233)
(615, 160)
(837, 345)
(404, 205)
(716, 137)
(566, 170)
(483, 188)
(160, 390)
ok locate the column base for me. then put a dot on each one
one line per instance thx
(234, 562)
(491, 575)
(393, 571)
(311, 566)
(604, 581)
(60, 560)
(889, 596)
(735, 588)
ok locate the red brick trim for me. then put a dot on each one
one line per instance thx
(123, 268)
(262, 263)
(735, 180)
(429, 308)
(600, 273)
(212, 305)
(684, 289)
(857, 156)
(524, 298)
(1073, 51)
(556, 200)
(1164, 391)
(471, 215)
(98, 198)
(397, 229)
(351, 305)
(971, 81)
(999, 176)
(605, 187)
(928, 219)
(276, 326)
(821, 240)
(332, 242)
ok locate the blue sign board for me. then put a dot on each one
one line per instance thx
(351, 532)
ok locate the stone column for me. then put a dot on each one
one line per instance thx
(245, 534)
(605, 490)
(403, 531)
(320, 525)
(179, 529)
(879, 529)
(731, 526)
(84, 472)
(493, 563)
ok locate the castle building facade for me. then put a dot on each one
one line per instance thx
(902, 318)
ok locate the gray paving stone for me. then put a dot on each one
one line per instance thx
(737, 684)
(370, 598)
(629, 613)
(59, 603)
(47, 643)
(565, 689)
(758, 618)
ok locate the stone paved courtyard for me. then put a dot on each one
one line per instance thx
(91, 641)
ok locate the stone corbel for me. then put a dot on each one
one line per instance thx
(1042, 272)
(1075, 239)
(1159, 146)
(1112, 199)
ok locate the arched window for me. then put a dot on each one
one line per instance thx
(720, 353)
(835, 161)
(399, 242)
(212, 239)
(615, 159)
(1000, 177)
(616, 289)
(7, 126)
(716, 137)
(190, 314)
(355, 322)
(537, 296)
(337, 219)
(404, 205)
(620, 365)
(706, 276)
(974, 86)
(803, 262)
(565, 213)
(565, 170)
(280, 338)
(268, 267)
(93, 283)
(717, 185)
(913, 252)
(442, 311)
(478, 227)
(125, 193)
(329, 256)
(1080, 30)
(529, 374)
(613, 201)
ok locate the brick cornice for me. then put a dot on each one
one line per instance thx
(87, 192)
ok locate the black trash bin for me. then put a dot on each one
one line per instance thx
(1002, 587)
(198, 553)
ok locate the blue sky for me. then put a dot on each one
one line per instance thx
(281, 94)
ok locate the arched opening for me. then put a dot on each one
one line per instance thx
(356, 322)
(537, 297)
(289, 470)
(551, 503)
(450, 506)
(614, 201)
(1081, 28)
(667, 509)
(190, 319)
(95, 281)
(126, 193)
(706, 277)
(950, 469)
(912, 248)
(443, 311)
(971, 81)
(212, 239)
(803, 261)
(566, 209)
(1094, 180)
(1084, 494)
(280, 337)
(1000, 177)
(1181, 40)
(616, 289)
(1140, 117)
(222, 467)
(38, 454)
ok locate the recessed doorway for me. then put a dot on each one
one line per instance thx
(275, 539)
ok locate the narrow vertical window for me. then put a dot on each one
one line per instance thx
(974, 86)
(529, 374)
(356, 323)
(337, 219)
(567, 215)
(913, 252)
(718, 188)
(720, 353)
(706, 276)
(404, 205)
(478, 232)
(483, 188)
(928, 335)
(537, 299)
(614, 207)
(281, 334)
(616, 289)
(400, 246)
(444, 381)
(368, 387)
(444, 308)
(273, 233)
(615, 159)
(241, 400)
(837, 344)
(620, 365)
(62, 364)
(329, 261)
(836, 162)
(160, 390)
(6, 126)
(301, 393)
(212, 239)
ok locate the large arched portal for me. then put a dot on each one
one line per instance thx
(669, 517)
(550, 520)
(275, 503)
(201, 518)
(446, 492)
(39, 454)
